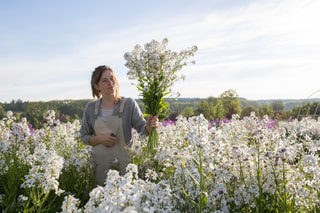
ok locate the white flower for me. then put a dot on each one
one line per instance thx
(45, 170)
(70, 205)
(156, 63)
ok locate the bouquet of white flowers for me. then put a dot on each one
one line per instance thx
(156, 70)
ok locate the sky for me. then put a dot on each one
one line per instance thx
(262, 49)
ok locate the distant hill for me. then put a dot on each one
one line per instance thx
(288, 103)
(289, 100)
(72, 107)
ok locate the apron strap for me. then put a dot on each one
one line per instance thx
(96, 108)
(121, 108)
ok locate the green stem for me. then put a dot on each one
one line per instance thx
(152, 142)
(285, 207)
(201, 182)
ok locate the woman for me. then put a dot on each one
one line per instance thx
(107, 123)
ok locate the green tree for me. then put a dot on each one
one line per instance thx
(308, 109)
(246, 103)
(277, 106)
(35, 122)
(231, 112)
(265, 109)
(230, 101)
(220, 114)
(247, 111)
(76, 117)
(2, 112)
(176, 107)
(187, 111)
(292, 104)
(314, 109)
(206, 107)
(35, 112)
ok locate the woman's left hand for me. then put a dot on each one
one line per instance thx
(152, 122)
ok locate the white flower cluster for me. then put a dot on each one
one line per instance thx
(78, 159)
(51, 118)
(70, 205)
(41, 154)
(14, 138)
(156, 63)
(7, 121)
(246, 163)
(126, 194)
(45, 169)
(307, 127)
(232, 156)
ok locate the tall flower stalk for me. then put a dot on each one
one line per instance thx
(155, 68)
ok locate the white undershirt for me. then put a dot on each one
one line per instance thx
(106, 112)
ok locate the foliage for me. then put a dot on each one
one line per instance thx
(2, 112)
(187, 112)
(178, 106)
(277, 106)
(308, 109)
(247, 111)
(246, 103)
(265, 109)
(36, 111)
(219, 108)
(207, 108)
(230, 101)
(220, 113)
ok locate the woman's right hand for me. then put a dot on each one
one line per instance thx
(108, 140)
(105, 139)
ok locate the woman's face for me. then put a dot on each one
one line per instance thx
(107, 83)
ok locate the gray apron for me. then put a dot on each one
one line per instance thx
(104, 156)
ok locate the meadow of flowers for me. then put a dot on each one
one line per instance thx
(243, 165)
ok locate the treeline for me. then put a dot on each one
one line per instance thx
(35, 112)
(212, 108)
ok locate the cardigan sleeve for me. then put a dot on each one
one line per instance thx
(86, 129)
(138, 122)
(133, 118)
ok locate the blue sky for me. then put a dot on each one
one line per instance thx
(263, 49)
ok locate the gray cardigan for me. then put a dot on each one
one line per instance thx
(132, 117)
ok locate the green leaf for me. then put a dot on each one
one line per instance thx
(204, 200)
(196, 162)
(193, 179)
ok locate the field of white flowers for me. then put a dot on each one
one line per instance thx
(245, 165)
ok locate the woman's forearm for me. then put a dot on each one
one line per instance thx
(94, 140)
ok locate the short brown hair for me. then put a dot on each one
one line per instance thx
(95, 78)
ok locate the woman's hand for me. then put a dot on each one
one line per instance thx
(152, 122)
(108, 140)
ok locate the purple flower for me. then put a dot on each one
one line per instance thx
(166, 122)
(31, 129)
(226, 120)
